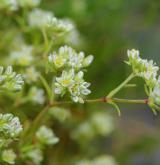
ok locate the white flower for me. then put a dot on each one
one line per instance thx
(9, 80)
(143, 68)
(46, 136)
(30, 3)
(64, 81)
(67, 57)
(74, 83)
(10, 126)
(23, 56)
(39, 18)
(31, 75)
(36, 95)
(155, 94)
(14, 5)
(35, 155)
(84, 132)
(60, 114)
(88, 60)
(9, 5)
(60, 26)
(73, 38)
(79, 89)
(9, 156)
(102, 123)
(104, 160)
(101, 160)
(58, 60)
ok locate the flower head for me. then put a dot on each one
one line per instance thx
(36, 95)
(35, 155)
(60, 26)
(39, 18)
(74, 84)
(10, 126)
(68, 58)
(9, 156)
(46, 136)
(22, 57)
(9, 80)
(143, 68)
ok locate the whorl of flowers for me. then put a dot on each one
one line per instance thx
(99, 124)
(101, 160)
(35, 155)
(39, 18)
(60, 26)
(9, 80)
(71, 65)
(143, 68)
(23, 56)
(46, 136)
(10, 126)
(149, 72)
(36, 95)
(8, 156)
(14, 5)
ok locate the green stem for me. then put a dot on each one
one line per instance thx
(47, 87)
(116, 90)
(38, 120)
(144, 101)
(45, 38)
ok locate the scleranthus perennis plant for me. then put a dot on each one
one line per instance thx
(50, 80)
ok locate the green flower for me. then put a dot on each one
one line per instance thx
(35, 155)
(9, 156)
(46, 136)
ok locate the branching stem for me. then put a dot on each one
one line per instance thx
(117, 89)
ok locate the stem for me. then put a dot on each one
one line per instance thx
(41, 115)
(47, 87)
(144, 101)
(45, 37)
(116, 90)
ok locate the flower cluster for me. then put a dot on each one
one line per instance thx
(10, 129)
(73, 83)
(71, 80)
(23, 56)
(60, 26)
(8, 156)
(60, 114)
(9, 80)
(31, 75)
(36, 95)
(10, 126)
(46, 20)
(155, 95)
(101, 160)
(35, 155)
(14, 5)
(66, 57)
(46, 136)
(149, 72)
(39, 18)
(99, 124)
(143, 68)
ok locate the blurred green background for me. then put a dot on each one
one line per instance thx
(109, 28)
